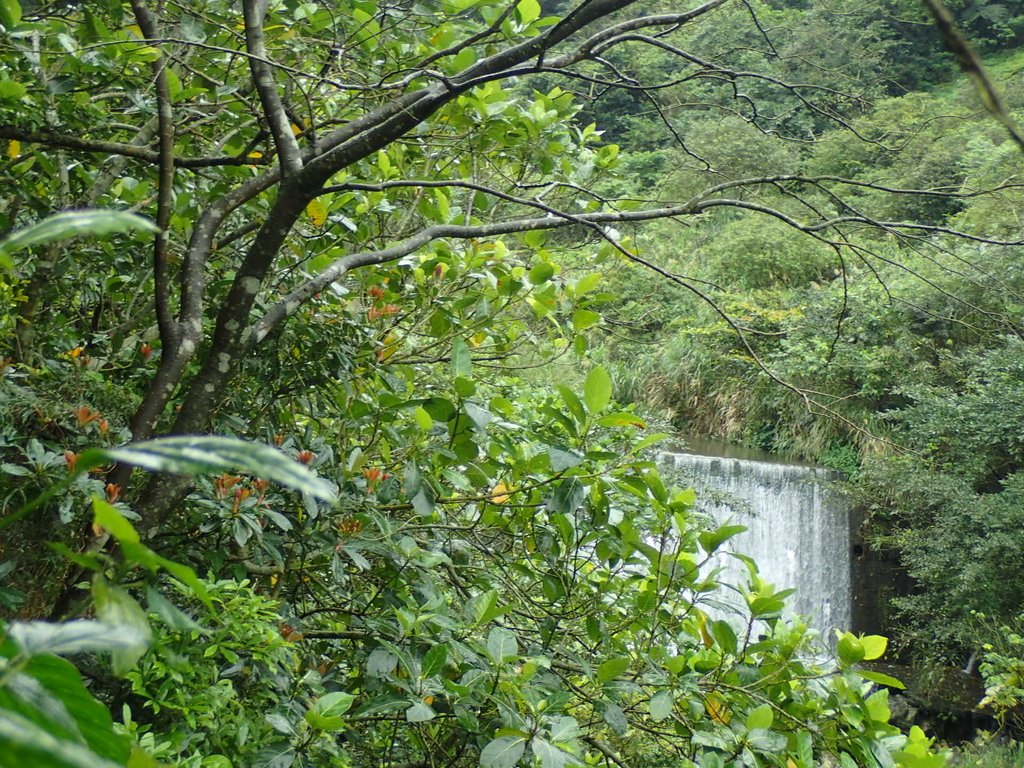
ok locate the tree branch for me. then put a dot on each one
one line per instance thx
(165, 182)
(132, 150)
(289, 155)
(973, 68)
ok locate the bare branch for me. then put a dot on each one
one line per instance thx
(289, 156)
(973, 68)
(165, 182)
(132, 150)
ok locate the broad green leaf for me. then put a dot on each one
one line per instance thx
(114, 522)
(541, 272)
(434, 660)
(502, 645)
(204, 454)
(564, 729)
(549, 755)
(423, 418)
(612, 668)
(587, 283)
(10, 13)
(615, 717)
(503, 752)
(461, 358)
(528, 10)
(420, 712)
(849, 648)
(584, 318)
(334, 704)
(881, 678)
(77, 636)
(62, 226)
(116, 606)
(10, 90)
(597, 389)
(326, 712)
(660, 705)
(24, 743)
(622, 419)
(710, 541)
(724, 635)
(58, 680)
(760, 717)
(874, 646)
(573, 403)
(169, 613)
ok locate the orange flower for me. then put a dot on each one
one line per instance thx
(113, 492)
(146, 351)
(85, 415)
(349, 526)
(305, 457)
(71, 458)
(241, 494)
(103, 426)
(278, 439)
(373, 476)
(223, 485)
(376, 291)
(383, 311)
(261, 485)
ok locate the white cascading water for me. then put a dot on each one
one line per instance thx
(798, 529)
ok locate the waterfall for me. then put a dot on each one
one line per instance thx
(798, 529)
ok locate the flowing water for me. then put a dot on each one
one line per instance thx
(798, 529)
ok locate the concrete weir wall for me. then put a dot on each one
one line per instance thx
(798, 529)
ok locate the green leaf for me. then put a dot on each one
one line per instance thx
(23, 742)
(10, 90)
(528, 10)
(114, 522)
(204, 455)
(615, 717)
(116, 606)
(420, 712)
(503, 752)
(326, 712)
(597, 389)
(622, 419)
(882, 679)
(423, 418)
(77, 636)
(585, 318)
(572, 402)
(502, 645)
(541, 272)
(461, 358)
(10, 13)
(761, 717)
(660, 705)
(60, 680)
(849, 649)
(612, 668)
(564, 729)
(549, 755)
(62, 226)
(724, 635)
(434, 660)
(874, 646)
(712, 540)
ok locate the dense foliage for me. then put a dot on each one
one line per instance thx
(382, 234)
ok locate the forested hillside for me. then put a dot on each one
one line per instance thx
(895, 357)
(337, 340)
